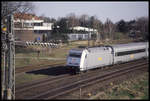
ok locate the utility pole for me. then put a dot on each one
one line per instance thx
(8, 50)
(89, 37)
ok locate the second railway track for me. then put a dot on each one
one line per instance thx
(86, 82)
(71, 84)
(35, 67)
(36, 83)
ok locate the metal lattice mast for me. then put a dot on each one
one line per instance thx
(11, 60)
(9, 57)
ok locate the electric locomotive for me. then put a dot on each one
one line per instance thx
(83, 59)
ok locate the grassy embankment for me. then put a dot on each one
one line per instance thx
(53, 53)
(136, 88)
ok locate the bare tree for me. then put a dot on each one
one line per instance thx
(109, 28)
(18, 9)
(83, 20)
(8, 8)
(72, 20)
(46, 19)
(96, 24)
(142, 26)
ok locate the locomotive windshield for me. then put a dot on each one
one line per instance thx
(75, 55)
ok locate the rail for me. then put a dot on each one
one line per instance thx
(85, 82)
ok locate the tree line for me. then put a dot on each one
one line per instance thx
(137, 28)
(107, 30)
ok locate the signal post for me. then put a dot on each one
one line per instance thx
(8, 52)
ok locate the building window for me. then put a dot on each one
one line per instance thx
(17, 25)
(80, 37)
(38, 24)
(73, 36)
(27, 24)
(86, 36)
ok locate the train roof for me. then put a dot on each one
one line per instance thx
(97, 48)
(91, 49)
(129, 46)
(116, 47)
(77, 49)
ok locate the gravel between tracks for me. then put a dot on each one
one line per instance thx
(49, 85)
(90, 91)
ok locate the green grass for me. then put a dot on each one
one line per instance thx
(55, 53)
(28, 78)
(136, 88)
(126, 93)
(61, 52)
(146, 95)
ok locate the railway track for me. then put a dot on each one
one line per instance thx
(86, 82)
(39, 82)
(51, 92)
(20, 70)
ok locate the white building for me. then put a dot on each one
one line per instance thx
(29, 27)
(31, 22)
(79, 28)
(81, 36)
(78, 36)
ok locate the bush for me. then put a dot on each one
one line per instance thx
(119, 35)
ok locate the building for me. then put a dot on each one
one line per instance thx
(78, 36)
(79, 28)
(29, 27)
(81, 36)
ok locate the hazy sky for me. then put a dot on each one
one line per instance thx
(103, 10)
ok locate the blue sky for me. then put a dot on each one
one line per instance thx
(115, 11)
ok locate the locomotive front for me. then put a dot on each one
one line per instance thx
(73, 59)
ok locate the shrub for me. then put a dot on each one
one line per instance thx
(119, 35)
